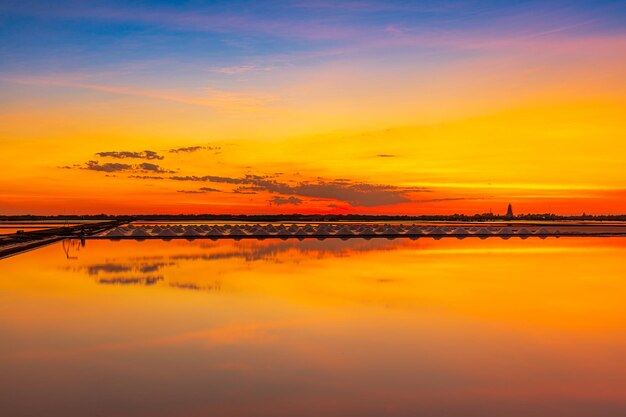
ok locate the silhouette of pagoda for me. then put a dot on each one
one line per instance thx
(509, 212)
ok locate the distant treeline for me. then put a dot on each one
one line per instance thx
(311, 217)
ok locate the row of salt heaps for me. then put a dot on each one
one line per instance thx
(323, 229)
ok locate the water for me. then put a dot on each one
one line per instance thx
(309, 328)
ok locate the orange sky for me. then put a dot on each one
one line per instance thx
(412, 121)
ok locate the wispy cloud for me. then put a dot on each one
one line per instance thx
(280, 201)
(190, 149)
(201, 190)
(107, 167)
(148, 167)
(240, 69)
(145, 167)
(126, 154)
(204, 97)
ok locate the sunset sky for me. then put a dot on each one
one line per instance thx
(374, 107)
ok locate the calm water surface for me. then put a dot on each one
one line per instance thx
(315, 328)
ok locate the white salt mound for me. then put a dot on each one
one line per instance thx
(437, 231)
(167, 232)
(140, 231)
(117, 232)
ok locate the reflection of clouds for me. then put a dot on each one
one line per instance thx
(141, 270)
(215, 287)
(147, 280)
(113, 267)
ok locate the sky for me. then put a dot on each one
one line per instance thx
(372, 107)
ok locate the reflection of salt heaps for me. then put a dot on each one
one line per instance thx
(460, 233)
(292, 229)
(542, 233)
(270, 229)
(505, 233)
(523, 231)
(117, 232)
(472, 229)
(308, 228)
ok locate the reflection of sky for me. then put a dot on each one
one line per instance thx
(346, 328)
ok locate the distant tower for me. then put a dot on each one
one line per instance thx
(509, 212)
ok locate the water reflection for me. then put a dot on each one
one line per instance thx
(341, 328)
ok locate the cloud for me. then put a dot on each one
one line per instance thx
(107, 167)
(189, 149)
(209, 178)
(203, 97)
(146, 177)
(209, 190)
(356, 194)
(248, 189)
(127, 154)
(146, 166)
(386, 155)
(279, 201)
(353, 193)
(240, 69)
(438, 200)
(201, 190)
(119, 167)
